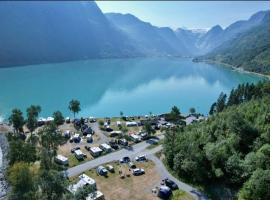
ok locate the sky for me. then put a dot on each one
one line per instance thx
(188, 14)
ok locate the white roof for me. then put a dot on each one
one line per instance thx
(62, 158)
(117, 132)
(78, 152)
(94, 195)
(50, 118)
(84, 180)
(89, 136)
(76, 135)
(118, 122)
(95, 149)
(131, 123)
(106, 146)
(135, 136)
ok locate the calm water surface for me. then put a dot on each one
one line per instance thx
(106, 87)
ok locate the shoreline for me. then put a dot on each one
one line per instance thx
(232, 67)
(3, 166)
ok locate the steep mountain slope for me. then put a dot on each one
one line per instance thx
(190, 39)
(42, 32)
(217, 36)
(151, 40)
(250, 50)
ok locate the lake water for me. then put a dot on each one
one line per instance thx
(107, 86)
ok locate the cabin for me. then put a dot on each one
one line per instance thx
(84, 180)
(79, 154)
(95, 151)
(92, 119)
(130, 124)
(105, 147)
(135, 138)
(62, 160)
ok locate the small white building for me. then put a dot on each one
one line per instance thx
(131, 124)
(84, 180)
(118, 123)
(97, 195)
(61, 160)
(105, 147)
(79, 154)
(135, 138)
(95, 151)
(67, 133)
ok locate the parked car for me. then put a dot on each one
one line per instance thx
(87, 148)
(109, 129)
(123, 142)
(171, 184)
(164, 192)
(110, 168)
(102, 171)
(138, 172)
(141, 158)
(125, 159)
(132, 165)
(74, 149)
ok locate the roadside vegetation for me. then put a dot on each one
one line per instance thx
(231, 148)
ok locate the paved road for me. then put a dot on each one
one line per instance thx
(103, 137)
(139, 148)
(183, 186)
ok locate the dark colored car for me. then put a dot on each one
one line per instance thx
(74, 149)
(125, 159)
(164, 192)
(84, 127)
(171, 184)
(87, 148)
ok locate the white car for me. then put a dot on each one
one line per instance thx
(138, 171)
(141, 158)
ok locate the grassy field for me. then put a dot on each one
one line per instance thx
(131, 187)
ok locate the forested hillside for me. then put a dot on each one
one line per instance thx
(250, 50)
(231, 147)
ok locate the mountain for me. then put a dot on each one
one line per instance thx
(151, 40)
(190, 38)
(216, 36)
(249, 50)
(43, 32)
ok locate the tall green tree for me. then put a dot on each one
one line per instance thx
(175, 114)
(74, 106)
(50, 139)
(221, 102)
(21, 151)
(192, 110)
(22, 180)
(53, 184)
(58, 118)
(148, 129)
(17, 120)
(257, 187)
(32, 118)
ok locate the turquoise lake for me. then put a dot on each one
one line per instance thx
(107, 86)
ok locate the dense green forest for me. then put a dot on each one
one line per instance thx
(250, 50)
(231, 148)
